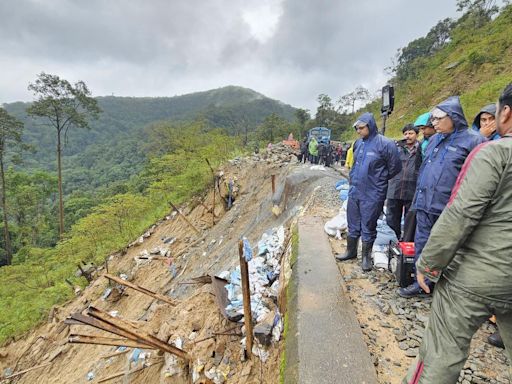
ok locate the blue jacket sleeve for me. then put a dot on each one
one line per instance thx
(393, 160)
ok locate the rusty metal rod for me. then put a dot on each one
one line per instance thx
(101, 340)
(137, 333)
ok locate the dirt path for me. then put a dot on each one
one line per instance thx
(393, 326)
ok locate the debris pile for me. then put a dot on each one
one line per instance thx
(264, 270)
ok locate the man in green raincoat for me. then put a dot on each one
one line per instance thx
(313, 150)
(469, 255)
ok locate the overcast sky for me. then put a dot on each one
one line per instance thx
(291, 50)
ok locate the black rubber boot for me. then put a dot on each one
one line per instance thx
(367, 264)
(496, 340)
(351, 252)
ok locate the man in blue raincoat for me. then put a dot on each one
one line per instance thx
(376, 160)
(446, 152)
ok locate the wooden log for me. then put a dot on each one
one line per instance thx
(137, 333)
(23, 372)
(119, 374)
(146, 291)
(101, 340)
(246, 292)
(184, 218)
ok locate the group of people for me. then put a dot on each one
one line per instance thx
(456, 182)
(320, 152)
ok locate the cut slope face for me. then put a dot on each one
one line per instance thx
(192, 323)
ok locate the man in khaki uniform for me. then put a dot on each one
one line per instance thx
(471, 264)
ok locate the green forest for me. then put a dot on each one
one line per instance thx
(123, 162)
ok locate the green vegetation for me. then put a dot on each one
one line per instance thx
(472, 62)
(37, 279)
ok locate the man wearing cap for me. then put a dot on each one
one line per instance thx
(485, 122)
(443, 160)
(376, 161)
(424, 123)
(473, 274)
(401, 188)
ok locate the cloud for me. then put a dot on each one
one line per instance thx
(286, 49)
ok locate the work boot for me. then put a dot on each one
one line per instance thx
(367, 264)
(496, 340)
(351, 252)
(413, 290)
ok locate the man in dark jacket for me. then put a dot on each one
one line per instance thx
(485, 122)
(444, 157)
(401, 188)
(376, 161)
(473, 274)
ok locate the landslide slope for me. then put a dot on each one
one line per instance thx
(196, 316)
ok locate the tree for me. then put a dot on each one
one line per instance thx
(477, 12)
(302, 116)
(436, 38)
(273, 126)
(10, 137)
(349, 100)
(63, 106)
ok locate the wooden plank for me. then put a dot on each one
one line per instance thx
(130, 329)
(136, 287)
(119, 374)
(184, 218)
(101, 340)
(246, 292)
(116, 353)
(23, 372)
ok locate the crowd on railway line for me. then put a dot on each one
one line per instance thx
(455, 185)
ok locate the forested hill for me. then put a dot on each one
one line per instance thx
(470, 57)
(113, 148)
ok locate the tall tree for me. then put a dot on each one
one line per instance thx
(10, 137)
(63, 106)
(349, 100)
(273, 126)
(302, 116)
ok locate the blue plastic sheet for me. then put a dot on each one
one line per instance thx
(247, 250)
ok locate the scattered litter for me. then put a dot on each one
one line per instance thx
(169, 240)
(134, 357)
(106, 294)
(90, 376)
(264, 269)
(317, 168)
(114, 313)
(8, 371)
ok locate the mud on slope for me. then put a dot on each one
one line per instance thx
(196, 316)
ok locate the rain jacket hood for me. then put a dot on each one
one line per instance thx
(453, 108)
(376, 160)
(490, 109)
(369, 120)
